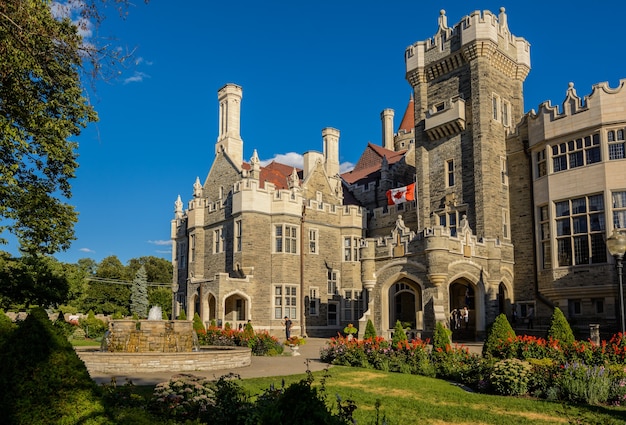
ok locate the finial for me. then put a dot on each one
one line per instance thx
(293, 179)
(197, 188)
(178, 207)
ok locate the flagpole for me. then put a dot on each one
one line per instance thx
(417, 204)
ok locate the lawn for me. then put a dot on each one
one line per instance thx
(416, 399)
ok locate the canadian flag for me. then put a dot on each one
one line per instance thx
(401, 194)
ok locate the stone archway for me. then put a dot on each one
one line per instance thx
(406, 305)
(236, 309)
(464, 293)
(208, 310)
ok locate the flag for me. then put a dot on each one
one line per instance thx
(401, 194)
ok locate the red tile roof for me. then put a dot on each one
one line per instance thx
(368, 166)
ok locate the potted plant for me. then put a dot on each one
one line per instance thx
(350, 331)
(294, 343)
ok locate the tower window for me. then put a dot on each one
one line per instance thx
(450, 173)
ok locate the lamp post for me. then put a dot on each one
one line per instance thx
(616, 245)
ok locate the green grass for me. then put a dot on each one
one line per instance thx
(412, 399)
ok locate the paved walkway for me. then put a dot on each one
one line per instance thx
(260, 366)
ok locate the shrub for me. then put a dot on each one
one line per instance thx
(442, 337)
(197, 323)
(541, 383)
(370, 331)
(510, 377)
(184, 396)
(617, 392)
(182, 315)
(584, 384)
(454, 363)
(6, 327)
(94, 327)
(500, 330)
(398, 334)
(560, 329)
(42, 380)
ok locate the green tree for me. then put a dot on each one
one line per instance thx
(43, 106)
(158, 270)
(111, 293)
(399, 334)
(442, 337)
(370, 331)
(37, 280)
(197, 323)
(560, 329)
(139, 294)
(500, 330)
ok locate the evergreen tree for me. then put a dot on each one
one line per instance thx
(500, 330)
(560, 329)
(442, 337)
(398, 334)
(370, 331)
(139, 294)
(197, 323)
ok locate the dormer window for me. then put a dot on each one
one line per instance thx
(439, 107)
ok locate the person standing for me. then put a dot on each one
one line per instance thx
(465, 314)
(288, 323)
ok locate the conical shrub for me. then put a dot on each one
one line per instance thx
(499, 331)
(560, 329)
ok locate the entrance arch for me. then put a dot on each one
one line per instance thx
(463, 293)
(405, 304)
(236, 309)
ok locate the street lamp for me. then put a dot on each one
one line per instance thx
(616, 244)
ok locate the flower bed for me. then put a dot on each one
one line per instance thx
(261, 343)
(577, 372)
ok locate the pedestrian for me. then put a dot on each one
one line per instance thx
(530, 316)
(514, 320)
(465, 314)
(288, 325)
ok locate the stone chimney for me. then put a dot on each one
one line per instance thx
(386, 117)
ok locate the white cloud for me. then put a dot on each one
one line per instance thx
(161, 242)
(138, 77)
(72, 9)
(344, 167)
(290, 158)
(90, 251)
(296, 160)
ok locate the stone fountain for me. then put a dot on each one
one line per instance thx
(152, 335)
(157, 345)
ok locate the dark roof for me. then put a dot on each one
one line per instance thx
(368, 166)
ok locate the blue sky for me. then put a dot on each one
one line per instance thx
(303, 66)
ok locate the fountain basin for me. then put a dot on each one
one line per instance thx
(206, 359)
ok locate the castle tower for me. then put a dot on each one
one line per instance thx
(386, 117)
(229, 141)
(467, 85)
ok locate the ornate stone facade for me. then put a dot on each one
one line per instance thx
(264, 242)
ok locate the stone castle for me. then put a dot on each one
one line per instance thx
(510, 215)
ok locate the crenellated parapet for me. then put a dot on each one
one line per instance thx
(603, 105)
(480, 34)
